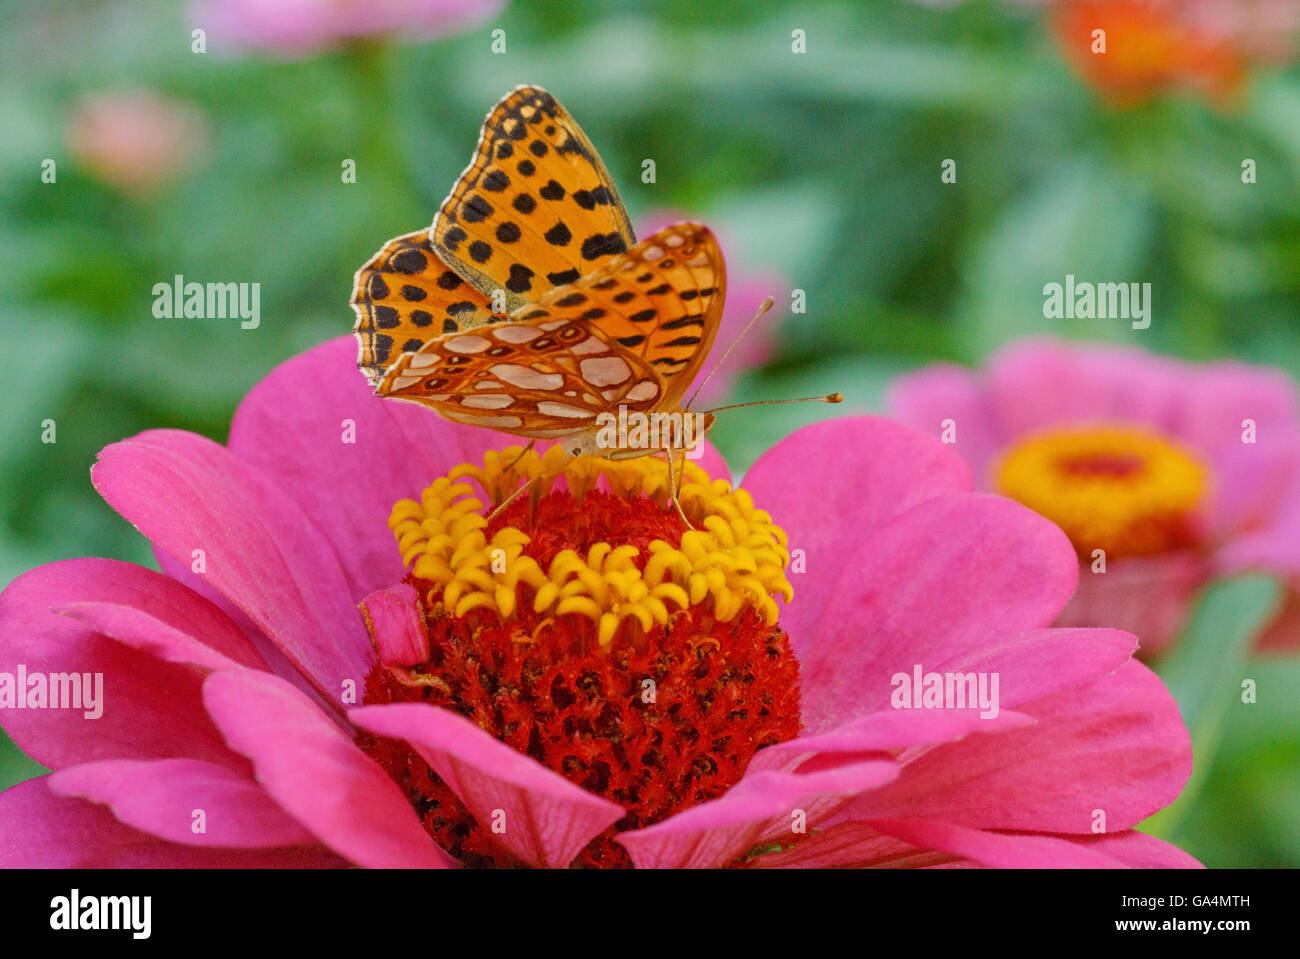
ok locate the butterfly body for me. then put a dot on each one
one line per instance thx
(528, 306)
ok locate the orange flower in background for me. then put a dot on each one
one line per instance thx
(1158, 46)
(135, 140)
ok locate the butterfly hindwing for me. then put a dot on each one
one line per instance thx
(661, 301)
(630, 334)
(404, 297)
(549, 378)
(536, 207)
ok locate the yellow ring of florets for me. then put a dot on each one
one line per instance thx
(735, 557)
(1123, 489)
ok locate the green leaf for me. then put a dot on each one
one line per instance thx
(15, 767)
(1083, 219)
(1204, 674)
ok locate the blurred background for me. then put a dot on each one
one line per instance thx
(821, 170)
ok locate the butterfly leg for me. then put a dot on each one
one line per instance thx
(512, 497)
(672, 490)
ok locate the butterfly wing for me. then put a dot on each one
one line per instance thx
(405, 297)
(632, 333)
(535, 209)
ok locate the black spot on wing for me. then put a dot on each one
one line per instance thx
(409, 261)
(521, 279)
(602, 244)
(558, 235)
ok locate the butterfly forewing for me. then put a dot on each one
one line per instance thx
(630, 334)
(405, 297)
(535, 209)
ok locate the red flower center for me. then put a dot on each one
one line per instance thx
(657, 713)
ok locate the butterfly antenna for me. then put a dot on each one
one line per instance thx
(828, 398)
(767, 305)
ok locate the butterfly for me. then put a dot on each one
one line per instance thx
(528, 306)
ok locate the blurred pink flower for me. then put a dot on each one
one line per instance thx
(293, 28)
(224, 683)
(747, 287)
(1180, 472)
(135, 140)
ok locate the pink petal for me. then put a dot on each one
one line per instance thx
(161, 796)
(1226, 393)
(853, 845)
(149, 634)
(930, 397)
(185, 493)
(1149, 596)
(1116, 744)
(317, 774)
(1139, 850)
(292, 425)
(1039, 384)
(1255, 494)
(859, 845)
(831, 485)
(151, 708)
(950, 581)
(548, 820)
(1273, 542)
(396, 626)
(896, 730)
(41, 830)
(758, 808)
(996, 850)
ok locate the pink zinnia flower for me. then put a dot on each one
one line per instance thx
(135, 140)
(747, 287)
(580, 680)
(1177, 472)
(294, 28)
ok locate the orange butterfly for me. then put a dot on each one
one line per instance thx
(528, 306)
